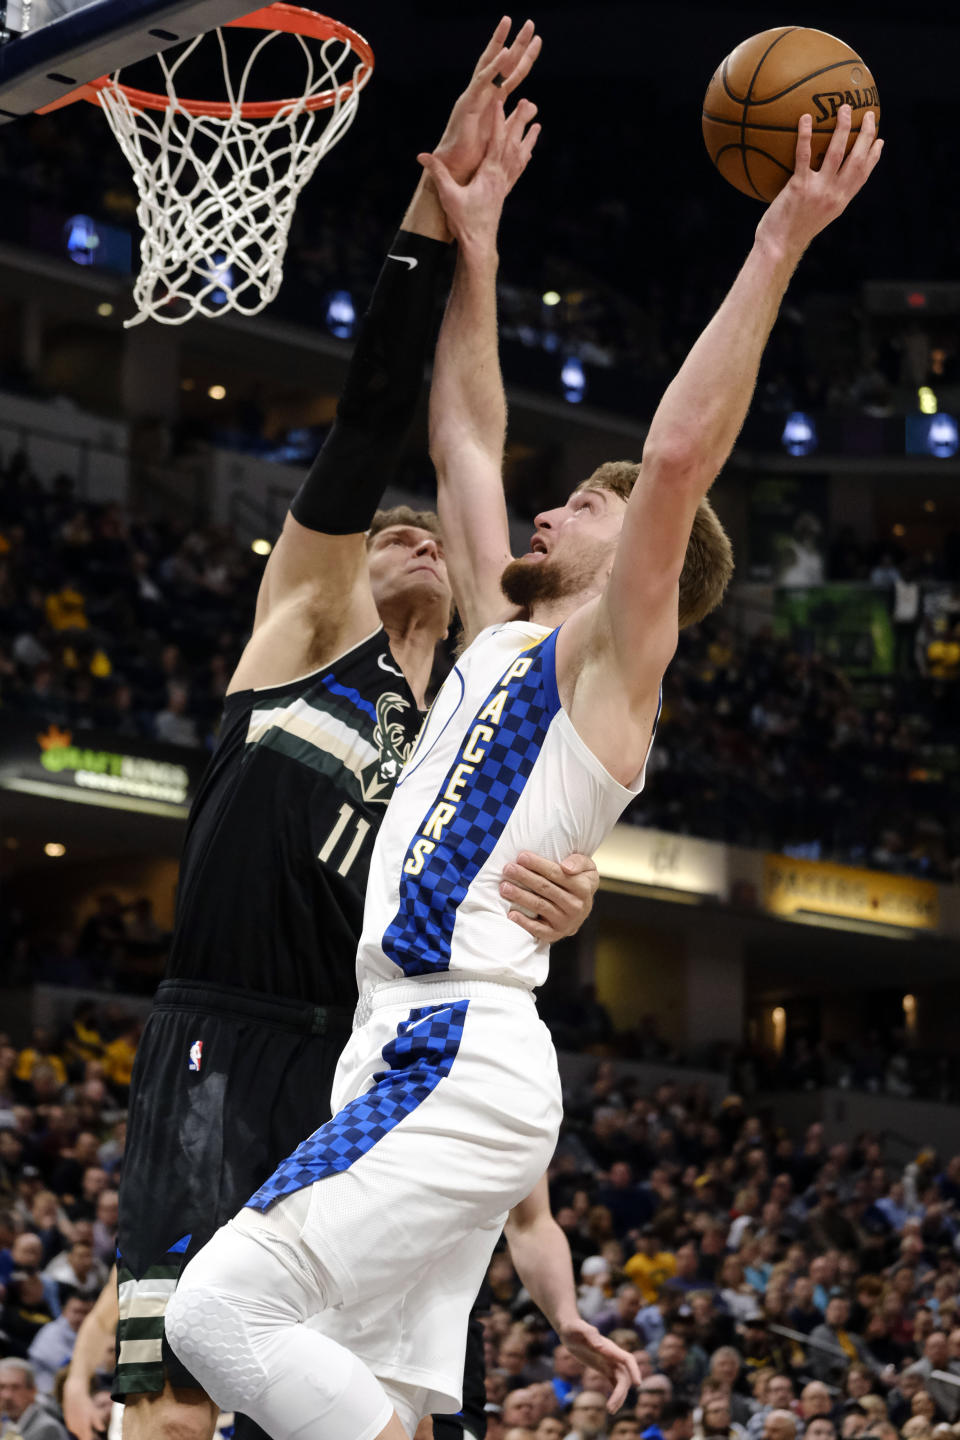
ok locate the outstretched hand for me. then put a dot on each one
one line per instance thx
(598, 1353)
(498, 72)
(473, 208)
(811, 199)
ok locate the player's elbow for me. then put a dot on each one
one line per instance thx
(443, 439)
(675, 461)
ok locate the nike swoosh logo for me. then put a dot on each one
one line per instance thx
(410, 1027)
(390, 669)
(406, 260)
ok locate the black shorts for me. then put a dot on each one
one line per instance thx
(225, 1085)
(472, 1419)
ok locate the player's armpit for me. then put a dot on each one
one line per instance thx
(611, 691)
(310, 562)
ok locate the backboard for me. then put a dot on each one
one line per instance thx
(49, 47)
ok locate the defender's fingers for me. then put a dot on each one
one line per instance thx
(493, 46)
(542, 909)
(498, 135)
(536, 883)
(577, 864)
(524, 63)
(540, 865)
(490, 74)
(536, 928)
(438, 172)
(529, 141)
(520, 117)
(518, 46)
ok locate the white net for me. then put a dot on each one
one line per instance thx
(217, 194)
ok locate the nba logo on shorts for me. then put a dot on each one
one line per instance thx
(196, 1055)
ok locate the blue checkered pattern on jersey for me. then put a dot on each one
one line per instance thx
(417, 1060)
(419, 936)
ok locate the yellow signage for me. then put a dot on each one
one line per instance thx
(814, 887)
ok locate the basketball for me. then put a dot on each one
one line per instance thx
(755, 100)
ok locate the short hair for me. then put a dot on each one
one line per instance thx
(661, 1383)
(12, 1363)
(708, 562)
(404, 515)
(673, 1411)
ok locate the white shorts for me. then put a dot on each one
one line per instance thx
(446, 1111)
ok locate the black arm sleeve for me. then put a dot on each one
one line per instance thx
(347, 480)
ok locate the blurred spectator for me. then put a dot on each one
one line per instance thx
(588, 1415)
(120, 1054)
(20, 1407)
(832, 1346)
(780, 1425)
(105, 1227)
(650, 1266)
(173, 724)
(936, 1357)
(78, 1270)
(41, 1053)
(675, 1422)
(52, 1346)
(26, 1310)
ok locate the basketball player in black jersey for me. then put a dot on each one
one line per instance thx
(239, 1052)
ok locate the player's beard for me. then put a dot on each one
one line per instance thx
(527, 583)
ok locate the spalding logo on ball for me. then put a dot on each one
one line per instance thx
(754, 102)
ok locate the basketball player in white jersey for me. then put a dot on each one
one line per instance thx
(447, 1097)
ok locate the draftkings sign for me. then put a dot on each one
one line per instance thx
(97, 768)
(814, 887)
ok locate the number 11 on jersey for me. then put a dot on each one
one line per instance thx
(338, 833)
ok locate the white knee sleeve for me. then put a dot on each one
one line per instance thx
(235, 1320)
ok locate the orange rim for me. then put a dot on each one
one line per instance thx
(291, 18)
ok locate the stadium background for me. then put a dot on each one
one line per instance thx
(779, 917)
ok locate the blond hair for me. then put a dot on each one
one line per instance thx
(708, 562)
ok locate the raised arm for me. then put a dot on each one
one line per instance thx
(541, 1258)
(315, 597)
(468, 411)
(620, 645)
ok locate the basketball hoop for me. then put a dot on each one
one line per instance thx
(219, 179)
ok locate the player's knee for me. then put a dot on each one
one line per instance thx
(207, 1332)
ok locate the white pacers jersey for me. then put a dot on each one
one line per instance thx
(498, 768)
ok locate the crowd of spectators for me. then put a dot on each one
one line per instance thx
(112, 621)
(764, 746)
(132, 625)
(119, 946)
(771, 1286)
(62, 1135)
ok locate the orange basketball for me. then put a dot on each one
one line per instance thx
(754, 102)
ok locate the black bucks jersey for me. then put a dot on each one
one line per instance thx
(280, 836)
